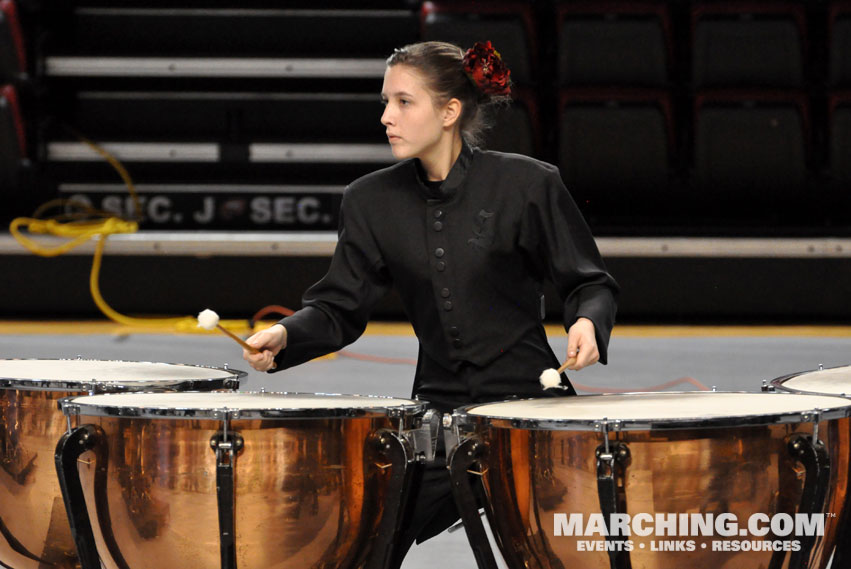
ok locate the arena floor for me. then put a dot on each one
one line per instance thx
(382, 363)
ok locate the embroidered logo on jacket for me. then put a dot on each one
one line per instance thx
(483, 230)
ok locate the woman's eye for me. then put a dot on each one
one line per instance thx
(403, 101)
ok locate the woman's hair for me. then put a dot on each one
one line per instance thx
(442, 66)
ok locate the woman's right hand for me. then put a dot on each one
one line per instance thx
(269, 341)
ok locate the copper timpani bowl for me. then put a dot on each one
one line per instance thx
(831, 381)
(248, 480)
(630, 457)
(34, 531)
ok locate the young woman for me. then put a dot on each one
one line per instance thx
(466, 236)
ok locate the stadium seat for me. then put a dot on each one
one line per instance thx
(839, 134)
(748, 44)
(614, 43)
(13, 60)
(615, 146)
(13, 142)
(508, 25)
(839, 43)
(751, 147)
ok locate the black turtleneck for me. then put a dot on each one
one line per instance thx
(433, 187)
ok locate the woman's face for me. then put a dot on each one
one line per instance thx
(414, 125)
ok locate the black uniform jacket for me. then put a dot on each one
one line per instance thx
(467, 260)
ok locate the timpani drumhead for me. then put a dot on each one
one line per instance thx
(669, 409)
(109, 375)
(246, 404)
(833, 381)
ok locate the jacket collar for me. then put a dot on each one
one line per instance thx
(454, 180)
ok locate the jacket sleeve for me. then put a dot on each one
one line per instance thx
(336, 309)
(559, 242)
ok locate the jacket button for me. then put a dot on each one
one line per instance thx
(444, 292)
(440, 266)
(439, 252)
(438, 226)
(454, 331)
(438, 213)
(457, 343)
(447, 305)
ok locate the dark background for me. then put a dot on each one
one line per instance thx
(674, 118)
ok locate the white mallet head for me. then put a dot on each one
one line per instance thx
(208, 319)
(550, 378)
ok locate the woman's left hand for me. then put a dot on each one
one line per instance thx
(582, 344)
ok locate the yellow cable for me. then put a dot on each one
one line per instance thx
(80, 231)
(94, 286)
(114, 162)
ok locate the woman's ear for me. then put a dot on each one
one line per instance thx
(451, 112)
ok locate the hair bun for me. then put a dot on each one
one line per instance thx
(485, 68)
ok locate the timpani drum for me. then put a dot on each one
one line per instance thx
(831, 381)
(654, 480)
(34, 532)
(254, 480)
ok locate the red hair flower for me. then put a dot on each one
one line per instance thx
(485, 68)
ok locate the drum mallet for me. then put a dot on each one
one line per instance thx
(209, 320)
(551, 378)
